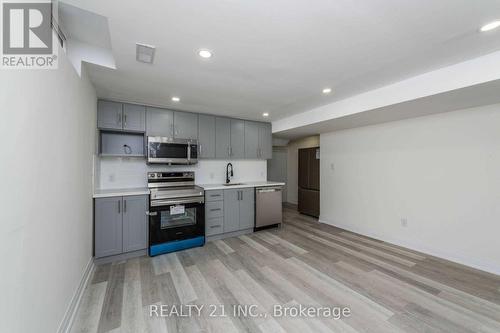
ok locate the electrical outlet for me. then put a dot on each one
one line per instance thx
(404, 222)
(111, 177)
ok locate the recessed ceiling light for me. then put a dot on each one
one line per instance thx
(327, 90)
(145, 53)
(205, 54)
(176, 99)
(265, 114)
(490, 26)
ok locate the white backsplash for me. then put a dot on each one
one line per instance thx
(115, 172)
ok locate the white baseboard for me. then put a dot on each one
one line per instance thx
(69, 316)
(456, 258)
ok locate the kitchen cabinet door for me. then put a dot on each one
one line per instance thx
(247, 208)
(231, 210)
(108, 226)
(109, 115)
(206, 136)
(134, 118)
(135, 223)
(222, 137)
(265, 141)
(251, 139)
(185, 125)
(159, 122)
(237, 138)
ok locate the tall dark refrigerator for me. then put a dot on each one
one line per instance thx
(308, 196)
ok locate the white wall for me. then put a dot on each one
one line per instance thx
(47, 142)
(440, 172)
(293, 165)
(131, 172)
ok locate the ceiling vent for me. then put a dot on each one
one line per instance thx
(145, 53)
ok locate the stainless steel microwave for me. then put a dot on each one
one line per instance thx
(162, 150)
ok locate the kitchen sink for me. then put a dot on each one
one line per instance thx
(232, 184)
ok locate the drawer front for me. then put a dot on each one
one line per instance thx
(214, 209)
(214, 226)
(216, 195)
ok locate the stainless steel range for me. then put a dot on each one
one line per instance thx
(176, 212)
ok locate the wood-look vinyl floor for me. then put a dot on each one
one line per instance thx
(387, 288)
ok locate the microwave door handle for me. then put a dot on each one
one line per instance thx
(189, 153)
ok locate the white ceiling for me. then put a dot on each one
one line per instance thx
(277, 56)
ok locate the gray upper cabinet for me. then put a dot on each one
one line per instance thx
(231, 210)
(135, 223)
(251, 139)
(265, 141)
(134, 118)
(185, 125)
(109, 115)
(159, 122)
(237, 145)
(247, 208)
(206, 136)
(222, 137)
(121, 117)
(108, 226)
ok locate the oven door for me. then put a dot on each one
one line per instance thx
(176, 219)
(161, 150)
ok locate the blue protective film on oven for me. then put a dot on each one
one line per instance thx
(176, 245)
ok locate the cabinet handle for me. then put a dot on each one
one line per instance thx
(125, 120)
(119, 206)
(215, 195)
(214, 209)
(124, 206)
(199, 146)
(215, 226)
(119, 118)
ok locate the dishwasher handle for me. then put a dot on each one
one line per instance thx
(268, 189)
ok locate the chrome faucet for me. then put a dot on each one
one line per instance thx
(227, 172)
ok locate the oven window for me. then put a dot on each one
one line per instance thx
(168, 220)
(167, 150)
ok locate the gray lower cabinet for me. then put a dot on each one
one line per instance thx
(109, 115)
(108, 226)
(247, 208)
(222, 137)
(159, 122)
(239, 209)
(135, 223)
(251, 139)
(185, 125)
(206, 136)
(231, 210)
(134, 118)
(237, 144)
(121, 225)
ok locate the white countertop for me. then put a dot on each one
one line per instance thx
(120, 192)
(123, 192)
(209, 187)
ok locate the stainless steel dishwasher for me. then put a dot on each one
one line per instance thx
(268, 207)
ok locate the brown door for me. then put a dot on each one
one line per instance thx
(303, 168)
(308, 181)
(313, 169)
